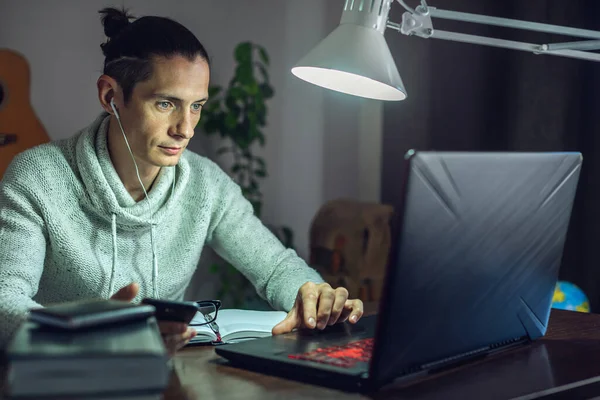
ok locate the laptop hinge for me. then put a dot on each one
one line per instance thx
(474, 353)
(458, 357)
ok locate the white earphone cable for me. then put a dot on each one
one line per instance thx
(152, 240)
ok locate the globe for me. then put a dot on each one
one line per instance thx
(568, 296)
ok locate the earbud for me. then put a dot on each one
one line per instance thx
(112, 104)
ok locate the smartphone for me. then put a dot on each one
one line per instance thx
(174, 311)
(83, 314)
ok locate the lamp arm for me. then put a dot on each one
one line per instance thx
(418, 22)
(423, 9)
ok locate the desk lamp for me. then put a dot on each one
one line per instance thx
(356, 60)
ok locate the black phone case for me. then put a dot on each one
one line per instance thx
(173, 311)
(87, 314)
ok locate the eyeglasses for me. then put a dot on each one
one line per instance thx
(210, 309)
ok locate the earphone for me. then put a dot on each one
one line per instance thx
(112, 104)
(137, 172)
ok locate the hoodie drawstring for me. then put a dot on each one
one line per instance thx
(154, 263)
(114, 257)
(111, 285)
(152, 243)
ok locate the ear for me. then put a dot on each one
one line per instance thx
(109, 89)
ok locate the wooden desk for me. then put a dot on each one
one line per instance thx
(569, 355)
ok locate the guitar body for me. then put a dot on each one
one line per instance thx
(20, 128)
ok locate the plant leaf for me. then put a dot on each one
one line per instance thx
(257, 205)
(237, 93)
(230, 121)
(214, 91)
(244, 74)
(237, 168)
(263, 72)
(243, 52)
(263, 55)
(253, 88)
(231, 102)
(266, 90)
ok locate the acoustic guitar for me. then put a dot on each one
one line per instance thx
(20, 128)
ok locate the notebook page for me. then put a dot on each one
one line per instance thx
(231, 321)
(203, 332)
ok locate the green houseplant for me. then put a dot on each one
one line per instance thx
(238, 113)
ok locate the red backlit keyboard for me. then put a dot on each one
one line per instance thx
(345, 356)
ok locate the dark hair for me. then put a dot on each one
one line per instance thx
(130, 46)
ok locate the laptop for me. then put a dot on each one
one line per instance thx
(477, 242)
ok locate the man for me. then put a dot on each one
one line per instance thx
(122, 210)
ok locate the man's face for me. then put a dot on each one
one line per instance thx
(162, 112)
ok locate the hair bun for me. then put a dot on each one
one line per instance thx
(114, 20)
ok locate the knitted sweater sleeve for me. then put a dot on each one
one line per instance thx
(238, 236)
(22, 248)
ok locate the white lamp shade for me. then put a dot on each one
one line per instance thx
(355, 60)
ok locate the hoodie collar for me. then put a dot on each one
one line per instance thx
(105, 192)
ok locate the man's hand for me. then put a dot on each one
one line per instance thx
(175, 334)
(319, 305)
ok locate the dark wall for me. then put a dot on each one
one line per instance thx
(472, 97)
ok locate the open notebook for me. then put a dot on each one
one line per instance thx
(237, 325)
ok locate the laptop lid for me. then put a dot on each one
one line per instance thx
(479, 242)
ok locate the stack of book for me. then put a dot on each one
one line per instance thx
(126, 359)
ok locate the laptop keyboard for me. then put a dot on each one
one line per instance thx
(345, 356)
